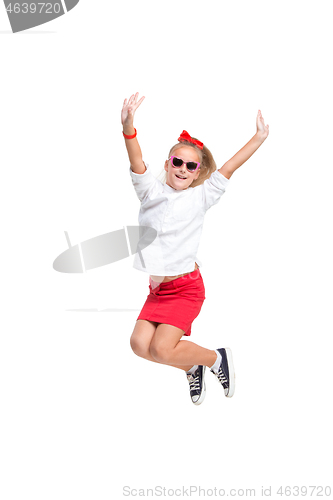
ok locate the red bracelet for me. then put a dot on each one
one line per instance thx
(130, 136)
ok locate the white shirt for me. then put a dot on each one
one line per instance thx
(177, 216)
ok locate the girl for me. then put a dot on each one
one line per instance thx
(176, 211)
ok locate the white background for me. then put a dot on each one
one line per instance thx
(81, 415)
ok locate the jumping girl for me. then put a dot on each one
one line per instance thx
(176, 210)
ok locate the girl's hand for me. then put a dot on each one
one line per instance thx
(262, 129)
(129, 108)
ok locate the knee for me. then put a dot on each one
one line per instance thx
(139, 347)
(160, 353)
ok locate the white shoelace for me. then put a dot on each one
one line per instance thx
(194, 383)
(221, 376)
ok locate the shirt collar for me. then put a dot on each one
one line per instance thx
(169, 189)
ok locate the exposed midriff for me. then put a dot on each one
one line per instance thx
(163, 279)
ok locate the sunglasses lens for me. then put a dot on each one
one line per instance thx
(191, 166)
(177, 162)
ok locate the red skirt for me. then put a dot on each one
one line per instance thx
(177, 302)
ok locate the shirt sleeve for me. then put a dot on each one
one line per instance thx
(143, 183)
(213, 188)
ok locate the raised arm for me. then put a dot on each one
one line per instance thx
(247, 151)
(132, 145)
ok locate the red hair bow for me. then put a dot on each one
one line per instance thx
(185, 136)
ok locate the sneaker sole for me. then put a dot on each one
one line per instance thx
(203, 394)
(231, 374)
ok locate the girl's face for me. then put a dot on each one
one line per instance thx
(180, 178)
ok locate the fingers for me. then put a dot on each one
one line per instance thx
(133, 100)
(138, 104)
(261, 127)
(260, 117)
(132, 104)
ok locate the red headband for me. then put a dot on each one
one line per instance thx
(185, 136)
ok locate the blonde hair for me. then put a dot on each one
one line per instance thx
(207, 162)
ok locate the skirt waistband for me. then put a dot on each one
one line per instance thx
(167, 285)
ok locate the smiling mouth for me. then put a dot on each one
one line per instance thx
(179, 177)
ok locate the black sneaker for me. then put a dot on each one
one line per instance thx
(226, 373)
(197, 385)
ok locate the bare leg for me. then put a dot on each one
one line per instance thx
(167, 348)
(141, 339)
